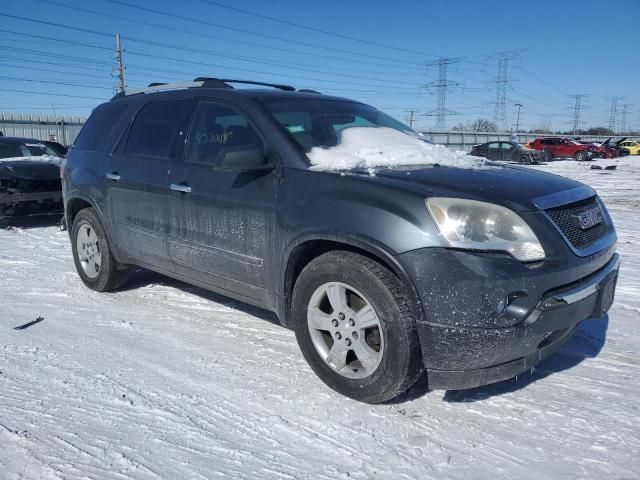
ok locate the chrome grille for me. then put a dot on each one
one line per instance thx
(567, 219)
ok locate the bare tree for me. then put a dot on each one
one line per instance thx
(483, 125)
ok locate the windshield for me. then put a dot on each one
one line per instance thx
(11, 150)
(319, 122)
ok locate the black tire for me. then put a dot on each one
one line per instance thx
(109, 276)
(580, 156)
(525, 160)
(548, 155)
(401, 361)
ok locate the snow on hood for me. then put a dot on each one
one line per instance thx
(43, 158)
(368, 147)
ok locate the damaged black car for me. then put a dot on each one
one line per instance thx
(29, 178)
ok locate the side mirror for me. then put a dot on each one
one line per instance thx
(245, 161)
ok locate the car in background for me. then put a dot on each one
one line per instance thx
(29, 178)
(557, 147)
(629, 147)
(604, 149)
(507, 152)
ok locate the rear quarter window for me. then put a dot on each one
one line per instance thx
(99, 126)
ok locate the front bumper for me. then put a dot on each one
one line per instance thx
(19, 203)
(461, 349)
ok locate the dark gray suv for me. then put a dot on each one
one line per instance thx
(468, 271)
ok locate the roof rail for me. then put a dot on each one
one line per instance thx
(158, 87)
(203, 82)
(215, 82)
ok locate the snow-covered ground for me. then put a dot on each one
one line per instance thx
(164, 380)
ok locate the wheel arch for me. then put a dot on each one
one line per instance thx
(306, 248)
(77, 203)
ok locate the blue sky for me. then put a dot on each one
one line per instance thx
(561, 48)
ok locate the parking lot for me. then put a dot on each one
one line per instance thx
(162, 379)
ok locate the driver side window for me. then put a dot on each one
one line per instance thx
(217, 130)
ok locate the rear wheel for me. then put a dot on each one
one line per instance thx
(92, 255)
(548, 154)
(355, 328)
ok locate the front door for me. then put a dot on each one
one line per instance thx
(138, 180)
(221, 222)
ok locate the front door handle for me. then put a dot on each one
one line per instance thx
(113, 176)
(179, 187)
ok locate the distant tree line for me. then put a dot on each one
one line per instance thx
(484, 125)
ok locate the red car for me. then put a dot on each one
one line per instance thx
(556, 147)
(605, 149)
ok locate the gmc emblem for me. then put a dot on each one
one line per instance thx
(590, 218)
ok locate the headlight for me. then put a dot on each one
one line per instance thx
(476, 225)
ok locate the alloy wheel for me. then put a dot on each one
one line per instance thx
(345, 330)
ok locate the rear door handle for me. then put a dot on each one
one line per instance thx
(113, 176)
(179, 187)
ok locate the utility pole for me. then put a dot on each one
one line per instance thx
(502, 83)
(518, 106)
(411, 112)
(613, 115)
(441, 86)
(577, 110)
(119, 67)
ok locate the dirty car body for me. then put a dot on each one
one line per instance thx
(29, 178)
(482, 315)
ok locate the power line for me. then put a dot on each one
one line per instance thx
(50, 94)
(247, 59)
(54, 82)
(441, 87)
(173, 16)
(314, 29)
(217, 37)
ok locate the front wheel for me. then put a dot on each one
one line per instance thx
(355, 327)
(580, 156)
(525, 159)
(92, 256)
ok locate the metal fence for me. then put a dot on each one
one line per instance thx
(62, 129)
(65, 130)
(465, 140)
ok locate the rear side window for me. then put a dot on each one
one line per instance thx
(156, 129)
(217, 130)
(99, 126)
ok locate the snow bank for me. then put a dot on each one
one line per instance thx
(368, 147)
(42, 158)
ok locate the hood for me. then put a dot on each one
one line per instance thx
(621, 140)
(29, 169)
(514, 187)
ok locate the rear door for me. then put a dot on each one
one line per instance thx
(222, 221)
(137, 179)
(507, 151)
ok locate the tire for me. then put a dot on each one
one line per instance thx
(548, 154)
(370, 287)
(525, 160)
(95, 263)
(580, 156)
